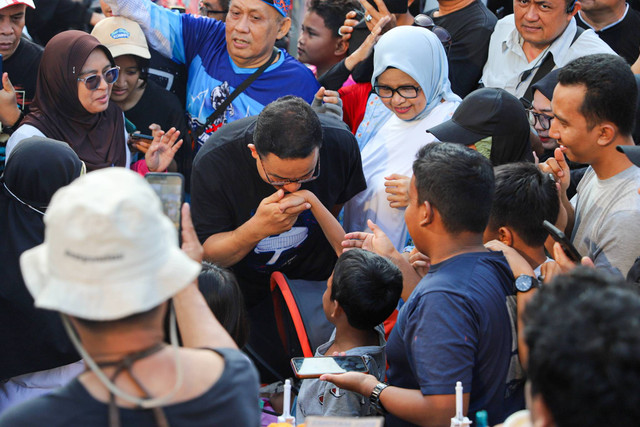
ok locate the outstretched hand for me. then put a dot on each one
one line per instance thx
(397, 186)
(376, 242)
(162, 150)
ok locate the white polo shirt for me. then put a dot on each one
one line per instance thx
(507, 65)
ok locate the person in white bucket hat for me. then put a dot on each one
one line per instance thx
(109, 263)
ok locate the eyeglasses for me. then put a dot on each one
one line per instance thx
(310, 177)
(92, 81)
(543, 119)
(211, 13)
(443, 35)
(408, 92)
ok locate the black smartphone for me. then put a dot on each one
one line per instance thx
(141, 136)
(170, 188)
(313, 367)
(566, 244)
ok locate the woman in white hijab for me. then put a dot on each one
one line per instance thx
(411, 78)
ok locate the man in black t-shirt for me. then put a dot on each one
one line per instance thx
(20, 62)
(243, 173)
(470, 26)
(615, 23)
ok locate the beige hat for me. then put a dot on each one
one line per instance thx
(121, 36)
(109, 251)
(7, 3)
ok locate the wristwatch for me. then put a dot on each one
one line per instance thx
(525, 283)
(374, 398)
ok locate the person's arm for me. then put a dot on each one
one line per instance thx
(407, 404)
(197, 324)
(332, 229)
(228, 248)
(519, 266)
(557, 165)
(10, 114)
(379, 243)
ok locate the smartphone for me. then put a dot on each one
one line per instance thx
(170, 188)
(313, 367)
(566, 244)
(141, 136)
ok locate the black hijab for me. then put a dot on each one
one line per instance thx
(32, 339)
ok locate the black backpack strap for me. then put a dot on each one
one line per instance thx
(233, 95)
(546, 67)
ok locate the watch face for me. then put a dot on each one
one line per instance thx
(524, 283)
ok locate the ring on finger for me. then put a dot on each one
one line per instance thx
(368, 18)
(340, 33)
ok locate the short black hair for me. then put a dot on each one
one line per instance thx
(222, 293)
(333, 12)
(458, 182)
(611, 90)
(583, 333)
(524, 197)
(367, 287)
(288, 128)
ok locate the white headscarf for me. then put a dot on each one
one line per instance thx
(417, 52)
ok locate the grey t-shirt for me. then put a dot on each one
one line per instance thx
(324, 398)
(607, 224)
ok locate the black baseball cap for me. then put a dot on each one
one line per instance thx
(632, 152)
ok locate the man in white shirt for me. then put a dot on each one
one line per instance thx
(521, 44)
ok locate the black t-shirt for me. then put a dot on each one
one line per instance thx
(163, 108)
(231, 401)
(623, 38)
(22, 67)
(226, 190)
(470, 29)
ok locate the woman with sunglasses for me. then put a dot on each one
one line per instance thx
(411, 79)
(71, 104)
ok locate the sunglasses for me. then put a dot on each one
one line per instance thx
(92, 81)
(425, 21)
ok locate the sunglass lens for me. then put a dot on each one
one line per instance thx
(423, 21)
(443, 35)
(111, 75)
(92, 82)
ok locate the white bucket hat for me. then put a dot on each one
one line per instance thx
(109, 251)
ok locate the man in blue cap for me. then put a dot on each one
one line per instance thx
(220, 56)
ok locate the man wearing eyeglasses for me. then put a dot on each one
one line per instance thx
(244, 213)
(540, 35)
(221, 56)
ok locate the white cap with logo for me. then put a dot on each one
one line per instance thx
(7, 3)
(121, 36)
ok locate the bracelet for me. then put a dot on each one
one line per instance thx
(374, 398)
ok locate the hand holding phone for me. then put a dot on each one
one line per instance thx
(564, 242)
(314, 367)
(170, 188)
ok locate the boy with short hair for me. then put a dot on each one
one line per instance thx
(524, 197)
(362, 292)
(320, 44)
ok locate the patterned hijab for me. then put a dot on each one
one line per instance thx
(417, 52)
(56, 111)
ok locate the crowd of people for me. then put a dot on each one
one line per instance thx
(430, 168)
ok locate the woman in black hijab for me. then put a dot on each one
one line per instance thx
(32, 339)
